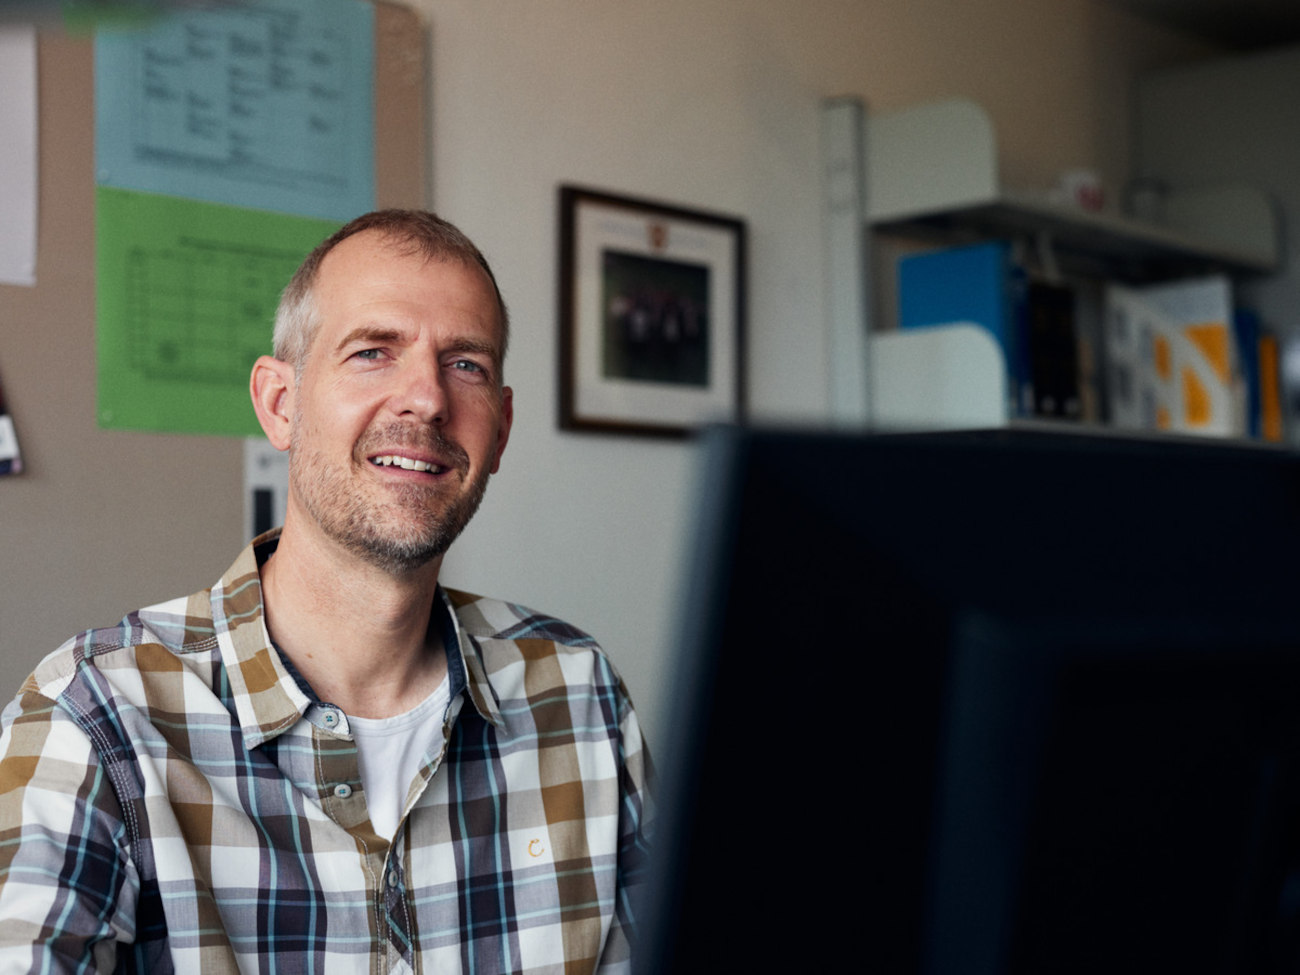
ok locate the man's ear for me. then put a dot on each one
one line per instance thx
(272, 387)
(507, 421)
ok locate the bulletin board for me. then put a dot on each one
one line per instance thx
(102, 521)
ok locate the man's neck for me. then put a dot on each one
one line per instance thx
(360, 636)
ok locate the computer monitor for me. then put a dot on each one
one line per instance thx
(990, 702)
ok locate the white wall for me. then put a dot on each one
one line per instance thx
(714, 104)
(690, 106)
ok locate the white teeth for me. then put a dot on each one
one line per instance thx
(406, 463)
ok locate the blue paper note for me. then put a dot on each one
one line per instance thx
(267, 106)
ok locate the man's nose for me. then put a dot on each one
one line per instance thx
(422, 392)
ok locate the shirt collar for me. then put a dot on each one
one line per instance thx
(465, 661)
(267, 698)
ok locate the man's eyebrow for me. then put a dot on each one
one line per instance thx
(477, 346)
(368, 333)
(379, 334)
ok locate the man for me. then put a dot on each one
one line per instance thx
(327, 762)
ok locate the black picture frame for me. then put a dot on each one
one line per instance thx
(652, 315)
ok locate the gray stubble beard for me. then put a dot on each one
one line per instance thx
(354, 523)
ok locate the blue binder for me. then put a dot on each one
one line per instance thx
(979, 283)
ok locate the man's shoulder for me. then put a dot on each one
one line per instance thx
(149, 638)
(485, 618)
(511, 641)
(519, 660)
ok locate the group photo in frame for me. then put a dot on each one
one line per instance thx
(651, 315)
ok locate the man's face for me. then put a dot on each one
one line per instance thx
(399, 415)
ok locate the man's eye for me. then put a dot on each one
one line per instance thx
(367, 354)
(467, 365)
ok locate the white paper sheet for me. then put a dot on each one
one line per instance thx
(18, 154)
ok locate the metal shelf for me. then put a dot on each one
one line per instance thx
(1119, 246)
(918, 184)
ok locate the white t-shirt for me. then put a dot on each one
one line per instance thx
(391, 751)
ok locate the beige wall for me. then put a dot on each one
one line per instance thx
(709, 103)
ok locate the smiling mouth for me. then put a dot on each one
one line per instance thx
(407, 463)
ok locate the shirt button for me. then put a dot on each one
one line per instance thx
(331, 718)
(393, 879)
(343, 790)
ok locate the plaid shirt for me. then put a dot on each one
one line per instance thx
(171, 800)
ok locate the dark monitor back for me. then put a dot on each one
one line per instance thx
(990, 702)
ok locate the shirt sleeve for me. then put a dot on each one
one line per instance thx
(68, 886)
(635, 782)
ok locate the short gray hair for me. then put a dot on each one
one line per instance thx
(424, 233)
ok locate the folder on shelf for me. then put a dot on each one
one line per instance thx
(1272, 426)
(1053, 350)
(940, 378)
(979, 284)
(1171, 357)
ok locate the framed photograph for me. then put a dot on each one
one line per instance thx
(652, 315)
